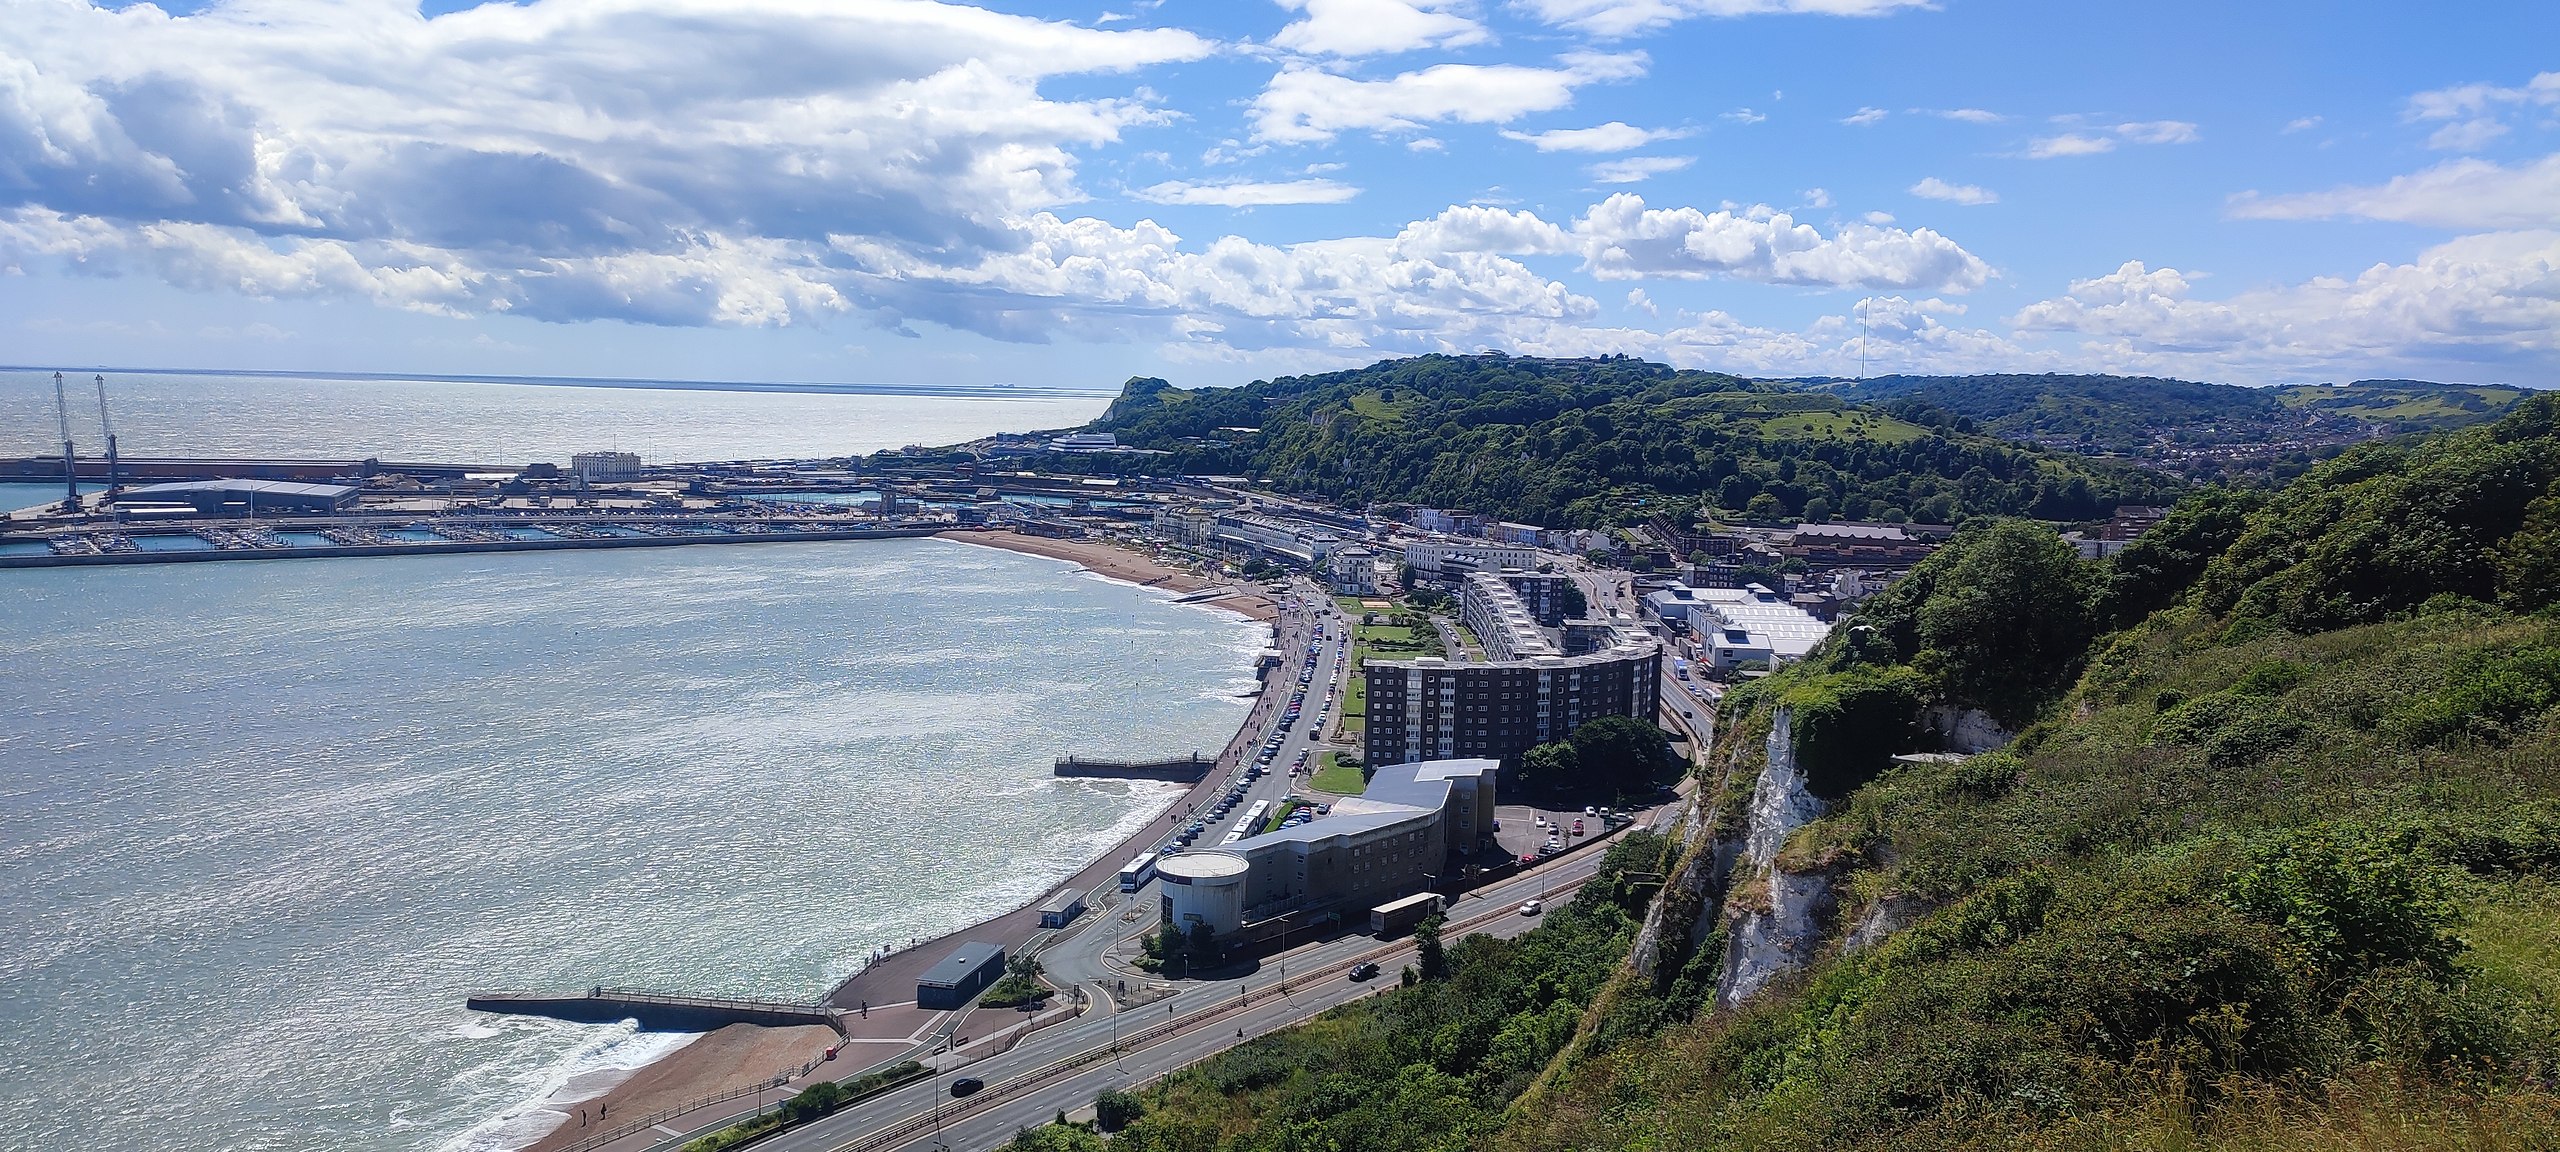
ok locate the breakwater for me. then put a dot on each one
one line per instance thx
(1180, 770)
(656, 1011)
(712, 532)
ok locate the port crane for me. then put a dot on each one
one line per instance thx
(62, 420)
(115, 480)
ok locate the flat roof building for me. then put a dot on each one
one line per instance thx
(1430, 708)
(237, 497)
(1736, 626)
(1495, 614)
(959, 976)
(1416, 824)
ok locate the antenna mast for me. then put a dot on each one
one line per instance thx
(1862, 341)
(62, 420)
(115, 482)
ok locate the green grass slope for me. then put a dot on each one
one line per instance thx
(2271, 867)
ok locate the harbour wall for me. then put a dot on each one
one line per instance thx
(656, 1012)
(429, 548)
(1183, 770)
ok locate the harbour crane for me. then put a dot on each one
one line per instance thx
(62, 419)
(115, 481)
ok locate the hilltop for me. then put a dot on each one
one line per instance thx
(2207, 431)
(1578, 443)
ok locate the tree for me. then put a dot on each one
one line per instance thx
(1430, 957)
(1114, 1109)
(1576, 605)
(2005, 624)
(1550, 767)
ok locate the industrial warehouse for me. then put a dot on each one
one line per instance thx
(1415, 825)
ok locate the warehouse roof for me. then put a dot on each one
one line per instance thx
(189, 488)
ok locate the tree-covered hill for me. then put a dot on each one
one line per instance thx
(2207, 431)
(1578, 443)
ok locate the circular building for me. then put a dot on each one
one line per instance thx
(1204, 888)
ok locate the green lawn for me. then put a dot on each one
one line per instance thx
(1332, 775)
(1840, 426)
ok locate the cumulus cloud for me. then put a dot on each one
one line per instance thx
(1372, 27)
(1629, 17)
(1932, 188)
(1304, 105)
(665, 162)
(1614, 136)
(2480, 300)
(1246, 193)
(2467, 193)
(2473, 115)
(1634, 169)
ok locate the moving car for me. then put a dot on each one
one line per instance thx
(1532, 908)
(965, 1086)
(1364, 971)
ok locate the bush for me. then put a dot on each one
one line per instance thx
(1114, 1109)
(2350, 900)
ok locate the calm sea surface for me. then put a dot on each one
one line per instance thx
(437, 421)
(263, 824)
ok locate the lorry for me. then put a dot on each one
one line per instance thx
(1398, 916)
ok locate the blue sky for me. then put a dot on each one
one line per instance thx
(1071, 194)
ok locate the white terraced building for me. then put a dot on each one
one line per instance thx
(1735, 626)
(1495, 612)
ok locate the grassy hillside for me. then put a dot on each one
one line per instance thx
(2274, 864)
(1593, 442)
(2271, 868)
(2404, 405)
(2207, 431)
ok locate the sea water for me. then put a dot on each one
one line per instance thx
(500, 423)
(263, 825)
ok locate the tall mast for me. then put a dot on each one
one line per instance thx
(62, 420)
(115, 482)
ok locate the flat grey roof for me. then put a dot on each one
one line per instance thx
(963, 962)
(264, 487)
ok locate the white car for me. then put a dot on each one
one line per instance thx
(1532, 908)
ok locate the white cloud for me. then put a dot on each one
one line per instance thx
(1244, 193)
(1967, 115)
(1304, 105)
(2468, 193)
(2104, 140)
(2158, 132)
(1628, 17)
(1639, 300)
(1371, 27)
(1878, 217)
(2301, 124)
(2466, 135)
(1614, 136)
(1621, 239)
(2069, 144)
(1933, 188)
(1745, 116)
(1816, 197)
(670, 163)
(1638, 168)
(2482, 300)
(2473, 115)
(1864, 116)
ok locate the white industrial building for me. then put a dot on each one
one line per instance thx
(1416, 824)
(1735, 626)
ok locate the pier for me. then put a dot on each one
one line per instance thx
(1181, 770)
(657, 1012)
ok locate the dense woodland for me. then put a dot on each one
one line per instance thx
(1589, 443)
(2274, 862)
